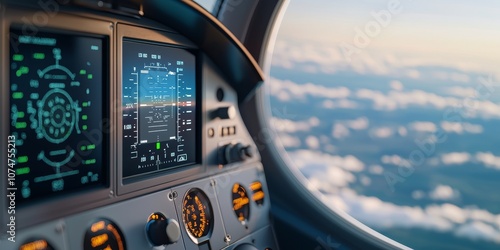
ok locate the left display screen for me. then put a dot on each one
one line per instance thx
(57, 113)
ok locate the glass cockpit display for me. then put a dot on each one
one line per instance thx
(158, 107)
(57, 86)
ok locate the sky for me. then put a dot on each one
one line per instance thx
(442, 32)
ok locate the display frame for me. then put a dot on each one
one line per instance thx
(43, 209)
(168, 177)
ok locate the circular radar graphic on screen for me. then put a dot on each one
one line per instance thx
(57, 112)
(56, 115)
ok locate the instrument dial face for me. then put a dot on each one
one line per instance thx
(197, 215)
(103, 235)
(241, 203)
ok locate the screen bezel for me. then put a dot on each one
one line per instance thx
(48, 208)
(167, 177)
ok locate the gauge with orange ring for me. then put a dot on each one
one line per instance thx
(197, 215)
(103, 234)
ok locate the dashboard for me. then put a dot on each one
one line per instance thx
(124, 131)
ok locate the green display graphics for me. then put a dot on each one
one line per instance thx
(57, 112)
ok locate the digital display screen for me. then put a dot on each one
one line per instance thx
(158, 108)
(57, 86)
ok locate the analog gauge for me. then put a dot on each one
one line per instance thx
(39, 244)
(197, 215)
(241, 203)
(103, 235)
(258, 193)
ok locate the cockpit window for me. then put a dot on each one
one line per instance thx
(391, 110)
(211, 5)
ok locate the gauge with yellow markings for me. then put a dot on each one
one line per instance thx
(103, 235)
(241, 203)
(197, 215)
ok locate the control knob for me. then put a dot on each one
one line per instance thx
(234, 153)
(224, 112)
(162, 231)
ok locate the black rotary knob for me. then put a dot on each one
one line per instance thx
(234, 153)
(162, 231)
(225, 112)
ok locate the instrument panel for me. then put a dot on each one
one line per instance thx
(127, 136)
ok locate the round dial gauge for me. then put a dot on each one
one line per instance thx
(197, 214)
(241, 203)
(103, 235)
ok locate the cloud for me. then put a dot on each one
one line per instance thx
(425, 127)
(460, 128)
(287, 90)
(333, 175)
(329, 59)
(376, 169)
(382, 132)
(417, 194)
(446, 218)
(477, 230)
(360, 123)
(305, 158)
(462, 92)
(395, 160)
(339, 104)
(289, 126)
(394, 100)
(455, 158)
(312, 142)
(396, 85)
(443, 192)
(340, 131)
(488, 159)
(342, 128)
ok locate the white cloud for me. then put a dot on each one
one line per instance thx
(394, 100)
(305, 158)
(462, 92)
(417, 194)
(381, 132)
(396, 85)
(443, 192)
(340, 103)
(455, 158)
(329, 59)
(477, 230)
(421, 126)
(460, 128)
(395, 160)
(334, 174)
(360, 123)
(365, 180)
(402, 131)
(376, 169)
(294, 90)
(340, 131)
(488, 159)
(312, 142)
(289, 126)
